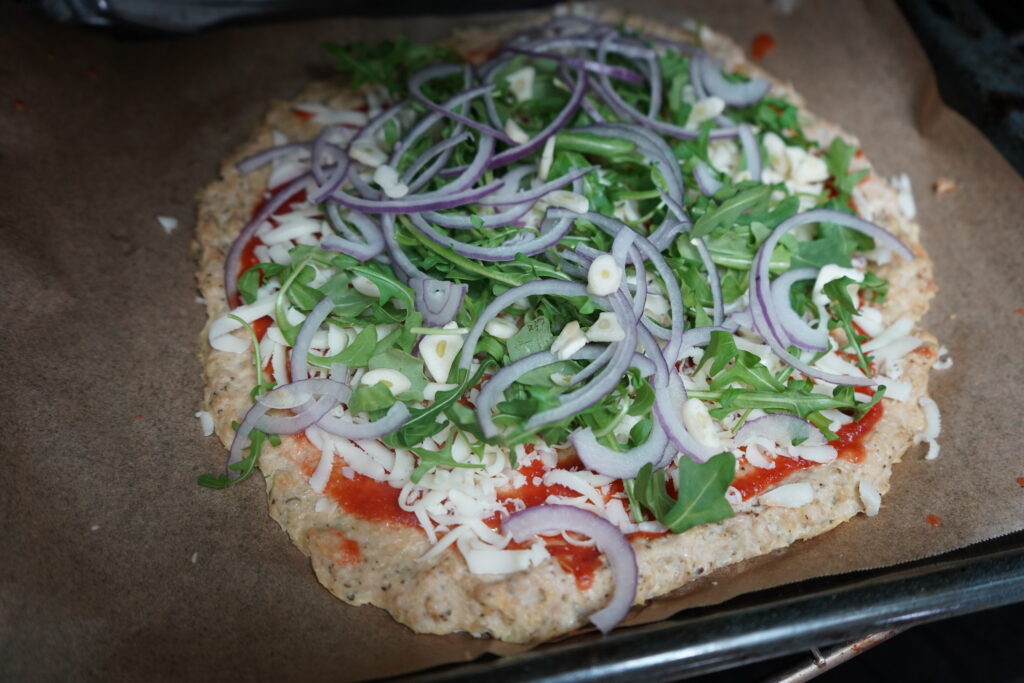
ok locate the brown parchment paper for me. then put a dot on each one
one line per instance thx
(114, 564)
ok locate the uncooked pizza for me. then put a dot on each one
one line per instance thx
(533, 326)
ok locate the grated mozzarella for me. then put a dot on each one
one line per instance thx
(869, 497)
(788, 496)
(205, 422)
(168, 223)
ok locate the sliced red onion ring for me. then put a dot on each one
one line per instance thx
(396, 416)
(457, 102)
(619, 464)
(763, 315)
(417, 203)
(650, 144)
(437, 156)
(735, 94)
(799, 333)
(316, 317)
(297, 394)
(607, 92)
(438, 300)
(718, 305)
(751, 152)
(506, 299)
(669, 396)
(593, 66)
(492, 389)
(516, 153)
(363, 251)
(232, 260)
(533, 194)
(333, 176)
(606, 536)
(699, 91)
(404, 268)
(263, 157)
(604, 382)
(513, 212)
(706, 180)
(701, 336)
(599, 357)
(433, 71)
(551, 233)
(781, 428)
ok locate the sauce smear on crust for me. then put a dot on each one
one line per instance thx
(753, 480)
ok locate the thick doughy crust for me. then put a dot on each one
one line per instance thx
(443, 596)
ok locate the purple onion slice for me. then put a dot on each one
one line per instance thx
(735, 94)
(438, 300)
(316, 317)
(232, 260)
(492, 389)
(799, 333)
(762, 311)
(372, 245)
(433, 71)
(751, 152)
(706, 180)
(396, 416)
(619, 464)
(551, 233)
(297, 396)
(606, 536)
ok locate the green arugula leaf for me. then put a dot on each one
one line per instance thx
(429, 459)
(254, 277)
(701, 498)
(727, 213)
(246, 465)
(837, 159)
(389, 63)
(370, 398)
(423, 423)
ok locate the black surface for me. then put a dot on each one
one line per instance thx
(976, 48)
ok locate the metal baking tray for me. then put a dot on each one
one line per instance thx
(772, 623)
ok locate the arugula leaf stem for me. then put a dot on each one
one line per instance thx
(461, 261)
(262, 386)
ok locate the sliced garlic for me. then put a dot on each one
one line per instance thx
(365, 286)
(515, 132)
(387, 178)
(705, 110)
(367, 153)
(699, 424)
(604, 276)
(439, 351)
(501, 328)
(521, 83)
(392, 379)
(569, 341)
(606, 329)
(547, 157)
(568, 200)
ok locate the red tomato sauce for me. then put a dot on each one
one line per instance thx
(762, 44)
(850, 446)
(247, 259)
(368, 499)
